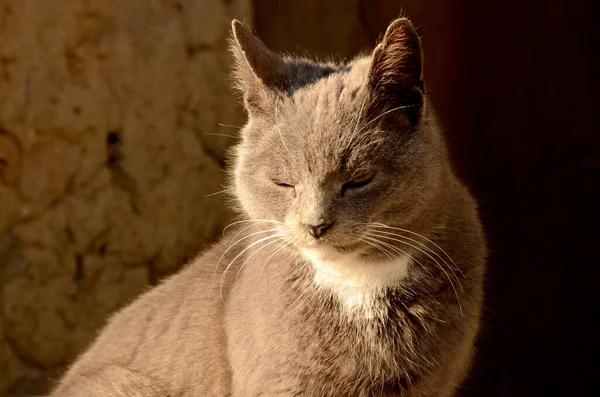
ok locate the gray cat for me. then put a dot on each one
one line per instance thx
(357, 268)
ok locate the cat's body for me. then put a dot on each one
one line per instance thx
(362, 275)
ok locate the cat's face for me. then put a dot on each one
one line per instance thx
(325, 154)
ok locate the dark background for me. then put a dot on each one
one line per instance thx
(516, 86)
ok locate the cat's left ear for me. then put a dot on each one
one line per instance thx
(395, 77)
(258, 71)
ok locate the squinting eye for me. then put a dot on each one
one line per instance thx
(281, 184)
(357, 184)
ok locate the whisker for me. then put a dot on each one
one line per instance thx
(241, 231)
(441, 267)
(383, 114)
(422, 245)
(222, 282)
(382, 225)
(278, 248)
(225, 135)
(215, 193)
(230, 126)
(401, 252)
(238, 241)
(292, 255)
(373, 244)
(254, 253)
(366, 145)
(248, 220)
(416, 248)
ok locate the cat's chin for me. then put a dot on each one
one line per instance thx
(322, 252)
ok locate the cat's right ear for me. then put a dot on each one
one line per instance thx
(259, 72)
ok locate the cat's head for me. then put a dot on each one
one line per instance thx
(331, 148)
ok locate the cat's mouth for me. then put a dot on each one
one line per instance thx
(322, 251)
(326, 252)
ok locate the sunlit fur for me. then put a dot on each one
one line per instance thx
(384, 301)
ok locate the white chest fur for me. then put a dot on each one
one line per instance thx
(355, 281)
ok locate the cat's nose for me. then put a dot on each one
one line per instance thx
(318, 230)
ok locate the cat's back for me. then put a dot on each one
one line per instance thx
(171, 337)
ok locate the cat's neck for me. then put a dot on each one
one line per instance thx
(357, 282)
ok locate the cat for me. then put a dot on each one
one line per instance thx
(356, 269)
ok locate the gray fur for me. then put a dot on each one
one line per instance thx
(351, 146)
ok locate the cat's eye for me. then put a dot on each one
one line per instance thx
(356, 184)
(282, 184)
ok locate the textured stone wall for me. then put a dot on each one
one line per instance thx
(107, 161)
